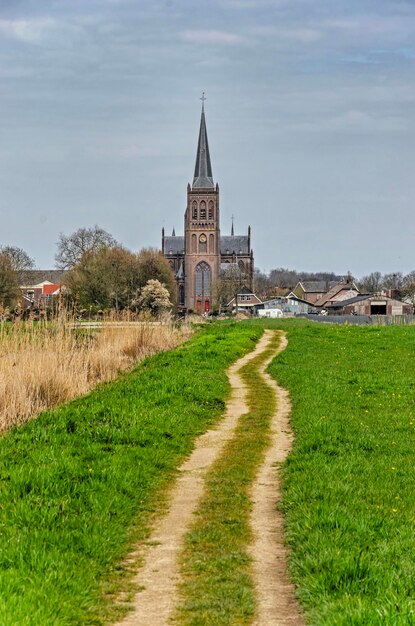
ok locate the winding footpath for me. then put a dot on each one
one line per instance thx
(275, 593)
(159, 576)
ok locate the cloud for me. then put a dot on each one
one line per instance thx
(353, 120)
(211, 37)
(28, 31)
(371, 25)
(359, 59)
(302, 35)
(253, 4)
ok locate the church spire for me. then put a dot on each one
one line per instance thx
(203, 178)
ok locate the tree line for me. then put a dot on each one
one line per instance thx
(98, 271)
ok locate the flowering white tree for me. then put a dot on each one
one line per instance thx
(154, 297)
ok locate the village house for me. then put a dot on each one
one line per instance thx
(289, 305)
(341, 291)
(244, 301)
(313, 290)
(40, 295)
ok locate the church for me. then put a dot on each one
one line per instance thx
(203, 255)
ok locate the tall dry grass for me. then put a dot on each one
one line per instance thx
(43, 365)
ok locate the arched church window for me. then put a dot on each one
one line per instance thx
(211, 210)
(194, 243)
(181, 294)
(203, 210)
(212, 244)
(202, 244)
(202, 280)
(241, 266)
(194, 210)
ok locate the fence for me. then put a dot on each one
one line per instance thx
(362, 320)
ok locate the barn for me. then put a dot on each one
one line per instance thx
(370, 304)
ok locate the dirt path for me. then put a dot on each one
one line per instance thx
(277, 605)
(159, 576)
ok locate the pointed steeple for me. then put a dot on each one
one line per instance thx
(232, 231)
(203, 178)
(173, 232)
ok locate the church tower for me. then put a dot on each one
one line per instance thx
(202, 255)
(201, 230)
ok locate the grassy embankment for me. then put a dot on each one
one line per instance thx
(43, 364)
(78, 485)
(218, 587)
(349, 483)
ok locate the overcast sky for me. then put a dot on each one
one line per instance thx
(310, 116)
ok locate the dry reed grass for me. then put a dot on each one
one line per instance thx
(43, 365)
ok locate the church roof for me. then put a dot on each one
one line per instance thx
(174, 245)
(238, 244)
(203, 178)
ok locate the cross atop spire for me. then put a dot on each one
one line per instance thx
(203, 178)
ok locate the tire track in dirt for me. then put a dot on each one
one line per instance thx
(159, 575)
(277, 605)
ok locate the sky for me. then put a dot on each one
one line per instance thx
(310, 116)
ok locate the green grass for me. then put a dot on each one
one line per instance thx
(349, 484)
(218, 587)
(78, 485)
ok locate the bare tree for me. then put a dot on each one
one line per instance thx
(228, 285)
(21, 263)
(371, 283)
(408, 287)
(261, 284)
(72, 247)
(284, 278)
(393, 281)
(8, 282)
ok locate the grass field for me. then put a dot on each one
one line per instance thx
(349, 483)
(78, 485)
